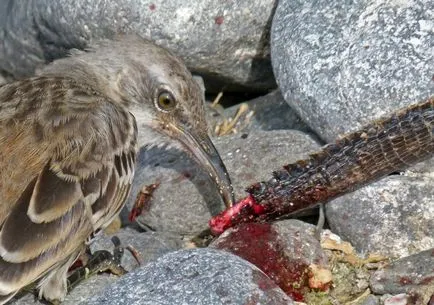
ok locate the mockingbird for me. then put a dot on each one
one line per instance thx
(68, 144)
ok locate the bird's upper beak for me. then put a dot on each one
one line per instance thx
(204, 151)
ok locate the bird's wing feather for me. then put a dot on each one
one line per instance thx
(74, 173)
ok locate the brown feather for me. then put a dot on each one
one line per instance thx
(52, 197)
(66, 167)
(16, 275)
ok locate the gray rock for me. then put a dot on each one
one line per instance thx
(370, 300)
(186, 197)
(284, 250)
(226, 42)
(399, 299)
(301, 241)
(149, 245)
(253, 158)
(413, 275)
(199, 276)
(268, 112)
(393, 216)
(424, 168)
(292, 238)
(341, 64)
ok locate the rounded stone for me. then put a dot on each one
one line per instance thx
(226, 42)
(340, 64)
(392, 217)
(197, 276)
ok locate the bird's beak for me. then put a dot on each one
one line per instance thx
(204, 151)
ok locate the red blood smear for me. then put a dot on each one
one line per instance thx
(134, 213)
(404, 280)
(427, 280)
(152, 6)
(242, 211)
(259, 244)
(77, 264)
(219, 20)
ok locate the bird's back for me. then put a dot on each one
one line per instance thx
(67, 156)
(22, 153)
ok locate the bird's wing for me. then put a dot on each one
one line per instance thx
(67, 156)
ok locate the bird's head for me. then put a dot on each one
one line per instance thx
(161, 93)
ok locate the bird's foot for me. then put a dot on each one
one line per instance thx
(99, 261)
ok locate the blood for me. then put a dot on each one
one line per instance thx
(134, 213)
(77, 264)
(245, 208)
(143, 201)
(259, 244)
(219, 20)
(404, 280)
(427, 280)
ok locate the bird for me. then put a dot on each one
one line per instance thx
(69, 137)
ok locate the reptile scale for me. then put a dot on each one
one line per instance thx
(356, 159)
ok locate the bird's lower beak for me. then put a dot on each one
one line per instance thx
(204, 151)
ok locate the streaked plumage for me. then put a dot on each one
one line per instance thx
(68, 143)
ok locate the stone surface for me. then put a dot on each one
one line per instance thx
(199, 276)
(267, 112)
(186, 197)
(413, 275)
(342, 63)
(286, 251)
(370, 300)
(253, 158)
(393, 216)
(399, 299)
(226, 42)
(149, 245)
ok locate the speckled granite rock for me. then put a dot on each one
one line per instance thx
(342, 63)
(399, 299)
(186, 198)
(150, 245)
(267, 112)
(413, 275)
(227, 42)
(253, 158)
(393, 216)
(198, 276)
(370, 300)
(285, 250)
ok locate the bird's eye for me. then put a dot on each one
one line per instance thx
(165, 101)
